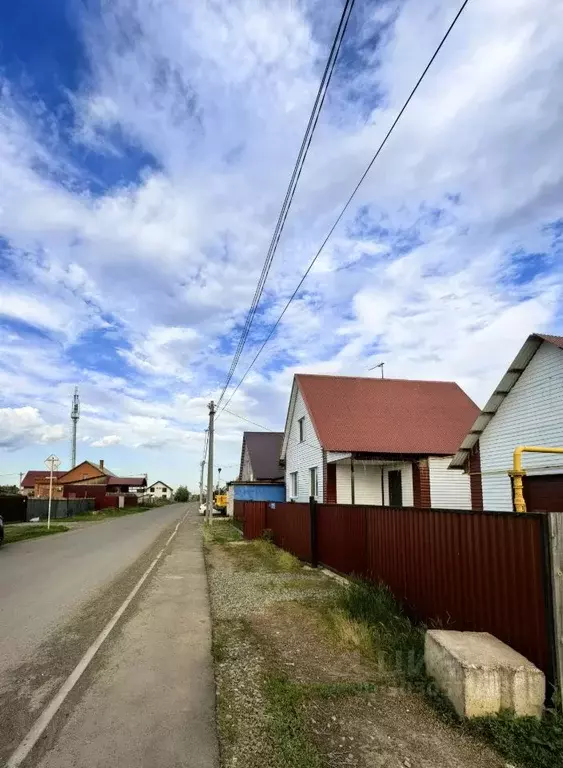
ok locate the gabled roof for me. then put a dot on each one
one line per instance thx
(156, 483)
(102, 470)
(515, 370)
(39, 474)
(136, 481)
(264, 449)
(385, 416)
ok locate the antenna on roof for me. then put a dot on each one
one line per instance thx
(74, 415)
(379, 365)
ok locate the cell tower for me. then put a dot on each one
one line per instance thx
(74, 415)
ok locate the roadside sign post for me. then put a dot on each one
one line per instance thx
(53, 463)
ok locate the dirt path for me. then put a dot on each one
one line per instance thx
(295, 687)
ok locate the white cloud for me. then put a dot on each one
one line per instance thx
(167, 258)
(25, 426)
(105, 441)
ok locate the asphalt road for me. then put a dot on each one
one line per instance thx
(56, 593)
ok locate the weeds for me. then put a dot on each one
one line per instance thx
(263, 555)
(524, 740)
(287, 724)
(222, 532)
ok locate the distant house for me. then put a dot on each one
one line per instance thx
(261, 476)
(353, 440)
(27, 487)
(526, 408)
(158, 490)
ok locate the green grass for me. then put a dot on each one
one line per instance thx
(222, 532)
(104, 514)
(13, 533)
(259, 555)
(393, 639)
(284, 707)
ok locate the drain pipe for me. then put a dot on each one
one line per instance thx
(518, 473)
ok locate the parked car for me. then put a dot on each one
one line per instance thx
(1, 530)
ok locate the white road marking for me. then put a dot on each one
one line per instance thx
(48, 714)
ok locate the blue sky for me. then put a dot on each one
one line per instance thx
(145, 148)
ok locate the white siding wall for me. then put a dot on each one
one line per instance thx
(531, 414)
(367, 483)
(300, 457)
(449, 488)
(246, 473)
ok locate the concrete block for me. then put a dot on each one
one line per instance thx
(481, 675)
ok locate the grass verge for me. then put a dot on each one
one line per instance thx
(13, 533)
(104, 514)
(398, 645)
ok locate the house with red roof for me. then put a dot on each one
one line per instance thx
(354, 440)
(525, 408)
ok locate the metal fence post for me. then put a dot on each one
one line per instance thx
(313, 514)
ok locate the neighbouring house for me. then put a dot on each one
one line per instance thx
(526, 408)
(260, 457)
(88, 480)
(158, 490)
(353, 440)
(27, 487)
(261, 476)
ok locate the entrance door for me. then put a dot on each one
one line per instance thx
(395, 488)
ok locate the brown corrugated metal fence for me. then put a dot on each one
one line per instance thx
(291, 526)
(459, 570)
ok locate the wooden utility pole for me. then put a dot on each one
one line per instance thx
(209, 510)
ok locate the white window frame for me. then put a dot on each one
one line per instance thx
(314, 482)
(301, 423)
(293, 485)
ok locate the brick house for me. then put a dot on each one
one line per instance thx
(85, 480)
(354, 440)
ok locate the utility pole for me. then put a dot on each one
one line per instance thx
(210, 464)
(74, 415)
(202, 465)
(53, 463)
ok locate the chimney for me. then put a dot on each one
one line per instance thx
(101, 464)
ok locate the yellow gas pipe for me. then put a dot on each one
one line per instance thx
(517, 472)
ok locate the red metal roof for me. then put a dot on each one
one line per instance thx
(556, 340)
(387, 415)
(39, 474)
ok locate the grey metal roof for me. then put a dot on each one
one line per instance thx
(264, 450)
(516, 369)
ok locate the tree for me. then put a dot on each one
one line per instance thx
(182, 493)
(9, 490)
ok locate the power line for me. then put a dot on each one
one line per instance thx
(267, 429)
(300, 162)
(350, 198)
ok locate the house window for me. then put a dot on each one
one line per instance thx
(301, 429)
(314, 482)
(293, 485)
